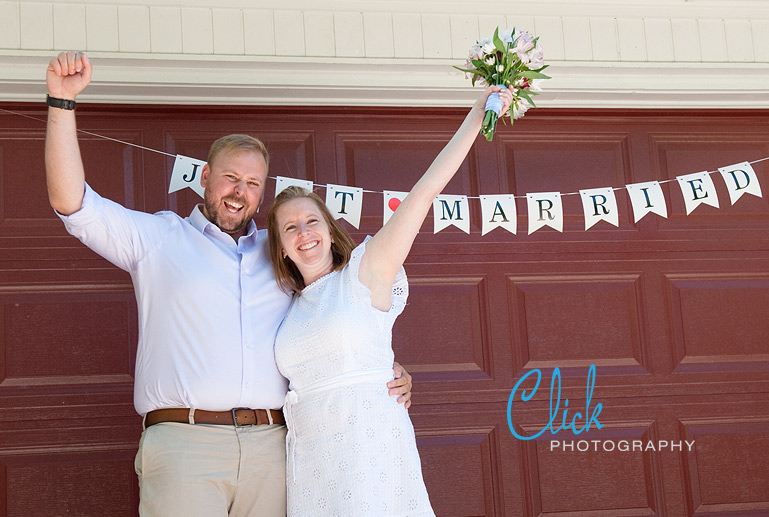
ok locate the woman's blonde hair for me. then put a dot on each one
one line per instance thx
(286, 273)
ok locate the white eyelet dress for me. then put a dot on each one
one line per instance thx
(350, 448)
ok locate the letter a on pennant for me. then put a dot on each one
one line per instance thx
(392, 200)
(647, 198)
(283, 183)
(698, 188)
(599, 204)
(545, 209)
(740, 179)
(186, 173)
(498, 212)
(345, 203)
(451, 210)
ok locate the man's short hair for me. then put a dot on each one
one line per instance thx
(237, 142)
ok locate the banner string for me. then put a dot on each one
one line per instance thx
(314, 184)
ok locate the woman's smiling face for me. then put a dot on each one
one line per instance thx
(305, 237)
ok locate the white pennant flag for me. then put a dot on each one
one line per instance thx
(451, 210)
(599, 204)
(545, 209)
(498, 211)
(698, 188)
(647, 198)
(186, 173)
(392, 200)
(283, 183)
(740, 179)
(345, 203)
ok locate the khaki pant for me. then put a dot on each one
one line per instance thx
(212, 470)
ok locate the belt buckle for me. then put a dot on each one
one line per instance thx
(235, 418)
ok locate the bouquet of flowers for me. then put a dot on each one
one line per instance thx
(511, 59)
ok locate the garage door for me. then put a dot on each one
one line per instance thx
(671, 311)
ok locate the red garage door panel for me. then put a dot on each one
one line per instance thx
(671, 311)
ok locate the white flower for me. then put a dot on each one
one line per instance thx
(535, 85)
(500, 68)
(489, 60)
(506, 36)
(518, 109)
(536, 58)
(476, 52)
(487, 45)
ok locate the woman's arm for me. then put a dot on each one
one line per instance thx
(387, 250)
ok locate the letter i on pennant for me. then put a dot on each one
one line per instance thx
(345, 203)
(186, 173)
(392, 200)
(647, 198)
(740, 179)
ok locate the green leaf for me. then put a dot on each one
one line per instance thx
(525, 95)
(530, 74)
(467, 70)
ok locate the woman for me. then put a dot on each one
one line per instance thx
(350, 448)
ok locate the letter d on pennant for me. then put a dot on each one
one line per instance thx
(740, 179)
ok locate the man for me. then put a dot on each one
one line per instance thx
(209, 308)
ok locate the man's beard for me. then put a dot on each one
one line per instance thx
(227, 227)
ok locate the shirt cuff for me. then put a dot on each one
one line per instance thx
(89, 209)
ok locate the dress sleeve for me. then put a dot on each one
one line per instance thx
(400, 291)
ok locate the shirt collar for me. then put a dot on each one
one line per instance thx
(204, 226)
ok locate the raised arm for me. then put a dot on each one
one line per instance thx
(387, 250)
(67, 75)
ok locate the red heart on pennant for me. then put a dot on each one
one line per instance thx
(394, 203)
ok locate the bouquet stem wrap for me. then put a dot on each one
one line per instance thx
(494, 107)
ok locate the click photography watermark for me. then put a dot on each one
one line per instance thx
(579, 422)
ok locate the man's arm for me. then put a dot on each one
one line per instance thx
(67, 75)
(400, 385)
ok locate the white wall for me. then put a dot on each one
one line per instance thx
(632, 53)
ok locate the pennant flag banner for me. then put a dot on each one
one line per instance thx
(186, 173)
(498, 211)
(697, 189)
(282, 183)
(451, 210)
(740, 179)
(647, 198)
(599, 204)
(345, 203)
(392, 200)
(545, 209)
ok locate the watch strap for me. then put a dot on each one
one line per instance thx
(65, 104)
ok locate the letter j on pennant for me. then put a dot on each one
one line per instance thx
(186, 173)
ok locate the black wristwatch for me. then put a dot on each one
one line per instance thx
(65, 104)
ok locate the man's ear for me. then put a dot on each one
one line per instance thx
(204, 175)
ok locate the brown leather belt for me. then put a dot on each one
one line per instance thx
(237, 417)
